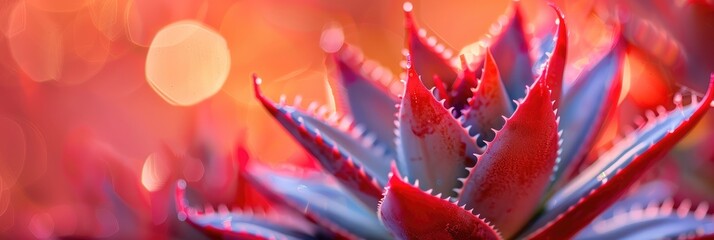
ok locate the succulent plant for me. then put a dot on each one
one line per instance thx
(430, 163)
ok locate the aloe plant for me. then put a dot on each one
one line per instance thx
(429, 163)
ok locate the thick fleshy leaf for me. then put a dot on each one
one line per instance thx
(510, 49)
(555, 66)
(600, 185)
(373, 158)
(322, 200)
(489, 103)
(509, 179)
(410, 213)
(427, 57)
(655, 220)
(365, 95)
(585, 107)
(239, 224)
(432, 146)
(336, 152)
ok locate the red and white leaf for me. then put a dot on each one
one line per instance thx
(239, 224)
(364, 94)
(320, 199)
(509, 180)
(330, 151)
(587, 105)
(410, 213)
(555, 66)
(432, 146)
(489, 103)
(599, 186)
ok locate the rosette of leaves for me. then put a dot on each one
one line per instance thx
(487, 150)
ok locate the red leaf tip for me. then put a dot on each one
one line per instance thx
(413, 80)
(394, 172)
(489, 59)
(464, 63)
(259, 94)
(409, 17)
(256, 84)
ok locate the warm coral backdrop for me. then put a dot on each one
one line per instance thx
(104, 104)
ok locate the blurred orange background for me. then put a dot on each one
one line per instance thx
(105, 103)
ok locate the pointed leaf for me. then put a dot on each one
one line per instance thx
(365, 95)
(555, 67)
(510, 50)
(375, 161)
(585, 107)
(427, 59)
(322, 200)
(334, 151)
(489, 103)
(410, 213)
(654, 220)
(509, 179)
(237, 225)
(591, 192)
(432, 146)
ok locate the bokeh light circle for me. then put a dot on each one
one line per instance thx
(187, 63)
(154, 173)
(332, 38)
